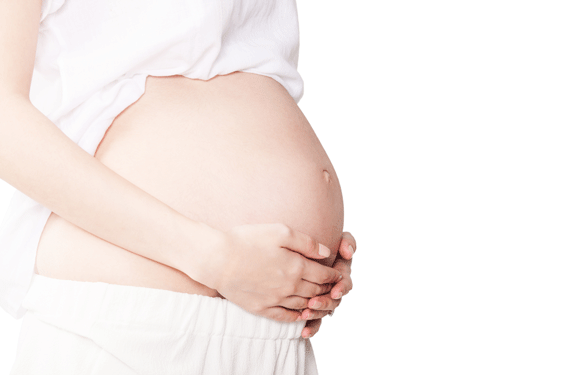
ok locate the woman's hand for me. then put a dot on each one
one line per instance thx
(320, 306)
(264, 269)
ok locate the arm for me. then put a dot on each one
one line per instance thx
(38, 159)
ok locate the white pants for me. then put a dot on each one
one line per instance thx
(76, 327)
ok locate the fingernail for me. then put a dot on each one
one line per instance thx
(324, 251)
(305, 316)
(306, 335)
(316, 305)
(351, 250)
(338, 296)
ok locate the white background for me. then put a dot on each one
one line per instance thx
(443, 120)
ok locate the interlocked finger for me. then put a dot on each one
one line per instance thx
(294, 303)
(342, 287)
(281, 314)
(348, 246)
(311, 328)
(309, 290)
(324, 302)
(309, 314)
(319, 274)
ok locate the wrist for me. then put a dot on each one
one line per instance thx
(197, 252)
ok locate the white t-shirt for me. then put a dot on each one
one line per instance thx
(92, 60)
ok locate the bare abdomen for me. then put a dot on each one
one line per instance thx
(229, 151)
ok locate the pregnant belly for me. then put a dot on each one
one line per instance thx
(232, 150)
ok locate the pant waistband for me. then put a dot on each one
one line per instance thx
(78, 305)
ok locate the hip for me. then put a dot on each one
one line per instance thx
(76, 327)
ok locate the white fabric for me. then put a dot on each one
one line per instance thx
(76, 327)
(93, 57)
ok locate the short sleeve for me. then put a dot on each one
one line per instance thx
(49, 7)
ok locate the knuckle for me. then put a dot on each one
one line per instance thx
(298, 269)
(291, 290)
(311, 245)
(256, 307)
(348, 239)
(284, 230)
(327, 278)
(280, 315)
(272, 314)
(281, 274)
(339, 265)
(277, 315)
(303, 303)
(274, 299)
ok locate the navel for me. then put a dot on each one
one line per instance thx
(327, 176)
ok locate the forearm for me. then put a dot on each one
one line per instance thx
(38, 159)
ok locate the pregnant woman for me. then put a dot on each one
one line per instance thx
(175, 211)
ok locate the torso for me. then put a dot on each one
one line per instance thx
(229, 151)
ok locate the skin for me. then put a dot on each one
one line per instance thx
(320, 306)
(252, 121)
(17, 78)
